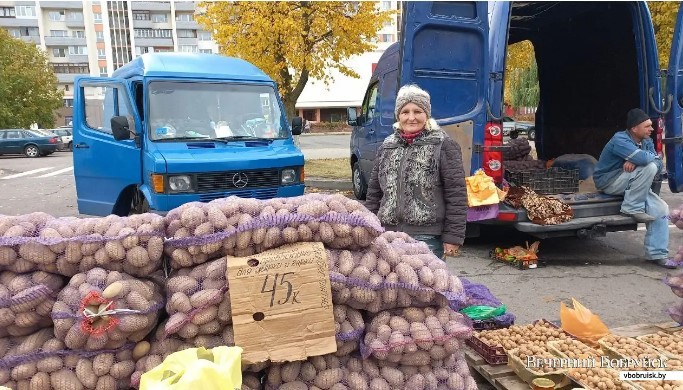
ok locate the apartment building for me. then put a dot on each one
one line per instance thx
(97, 37)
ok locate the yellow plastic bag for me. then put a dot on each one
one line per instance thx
(481, 190)
(582, 324)
(218, 368)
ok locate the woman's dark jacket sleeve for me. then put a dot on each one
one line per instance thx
(454, 192)
(374, 194)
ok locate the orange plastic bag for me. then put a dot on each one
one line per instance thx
(582, 324)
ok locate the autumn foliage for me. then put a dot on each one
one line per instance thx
(294, 41)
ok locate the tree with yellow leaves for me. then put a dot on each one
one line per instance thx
(663, 19)
(294, 41)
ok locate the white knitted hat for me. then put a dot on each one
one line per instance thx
(411, 93)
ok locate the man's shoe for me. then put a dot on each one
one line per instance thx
(663, 263)
(640, 217)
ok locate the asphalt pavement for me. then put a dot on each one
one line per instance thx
(607, 274)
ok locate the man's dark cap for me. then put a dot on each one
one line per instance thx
(635, 117)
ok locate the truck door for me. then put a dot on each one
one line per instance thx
(103, 166)
(444, 50)
(673, 141)
(369, 120)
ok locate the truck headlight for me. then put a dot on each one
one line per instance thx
(181, 183)
(288, 176)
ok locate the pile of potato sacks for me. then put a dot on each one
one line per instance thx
(87, 306)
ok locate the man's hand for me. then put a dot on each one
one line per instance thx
(450, 249)
(629, 166)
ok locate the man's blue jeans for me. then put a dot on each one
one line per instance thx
(639, 198)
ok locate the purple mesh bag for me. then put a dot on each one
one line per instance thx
(40, 361)
(478, 294)
(67, 246)
(234, 226)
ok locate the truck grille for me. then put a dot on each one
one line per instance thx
(225, 181)
(267, 193)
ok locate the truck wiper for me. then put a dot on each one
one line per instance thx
(247, 137)
(195, 139)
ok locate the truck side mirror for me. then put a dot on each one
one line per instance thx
(352, 118)
(297, 125)
(120, 128)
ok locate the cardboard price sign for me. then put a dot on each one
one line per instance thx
(281, 303)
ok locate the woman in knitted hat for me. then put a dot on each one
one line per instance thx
(418, 183)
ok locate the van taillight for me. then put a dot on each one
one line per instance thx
(660, 134)
(493, 160)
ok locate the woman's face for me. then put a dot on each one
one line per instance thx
(412, 118)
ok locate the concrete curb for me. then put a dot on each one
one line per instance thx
(329, 184)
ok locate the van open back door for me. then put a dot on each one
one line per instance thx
(673, 141)
(444, 50)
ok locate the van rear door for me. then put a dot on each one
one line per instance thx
(444, 50)
(673, 136)
(103, 166)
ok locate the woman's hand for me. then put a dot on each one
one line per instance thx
(450, 249)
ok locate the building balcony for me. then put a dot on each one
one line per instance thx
(61, 4)
(65, 41)
(78, 58)
(185, 6)
(142, 23)
(187, 41)
(193, 25)
(165, 42)
(13, 22)
(31, 39)
(66, 78)
(150, 6)
(74, 23)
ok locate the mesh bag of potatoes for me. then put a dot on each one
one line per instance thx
(42, 362)
(103, 309)
(354, 373)
(415, 336)
(71, 245)
(26, 301)
(395, 271)
(234, 226)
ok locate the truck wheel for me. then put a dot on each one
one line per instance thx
(360, 187)
(139, 205)
(31, 151)
(514, 134)
(531, 135)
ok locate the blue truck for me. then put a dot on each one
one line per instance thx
(171, 128)
(596, 60)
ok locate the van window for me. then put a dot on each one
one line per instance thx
(103, 103)
(388, 100)
(458, 9)
(369, 104)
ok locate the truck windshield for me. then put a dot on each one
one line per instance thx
(185, 110)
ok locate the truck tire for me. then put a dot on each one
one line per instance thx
(514, 134)
(531, 135)
(360, 187)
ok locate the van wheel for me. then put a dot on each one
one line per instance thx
(514, 134)
(139, 204)
(531, 135)
(31, 151)
(360, 187)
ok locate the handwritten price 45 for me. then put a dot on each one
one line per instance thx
(280, 285)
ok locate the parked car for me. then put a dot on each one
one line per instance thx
(66, 137)
(31, 143)
(508, 126)
(526, 128)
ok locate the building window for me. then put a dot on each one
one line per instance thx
(204, 36)
(71, 68)
(187, 33)
(97, 16)
(185, 17)
(72, 15)
(103, 71)
(385, 37)
(56, 16)
(99, 35)
(101, 53)
(153, 33)
(14, 32)
(68, 102)
(206, 51)
(7, 12)
(68, 120)
(24, 32)
(141, 15)
(78, 50)
(159, 18)
(59, 52)
(78, 34)
(59, 33)
(28, 11)
(188, 48)
(66, 87)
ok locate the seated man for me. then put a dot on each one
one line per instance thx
(627, 166)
